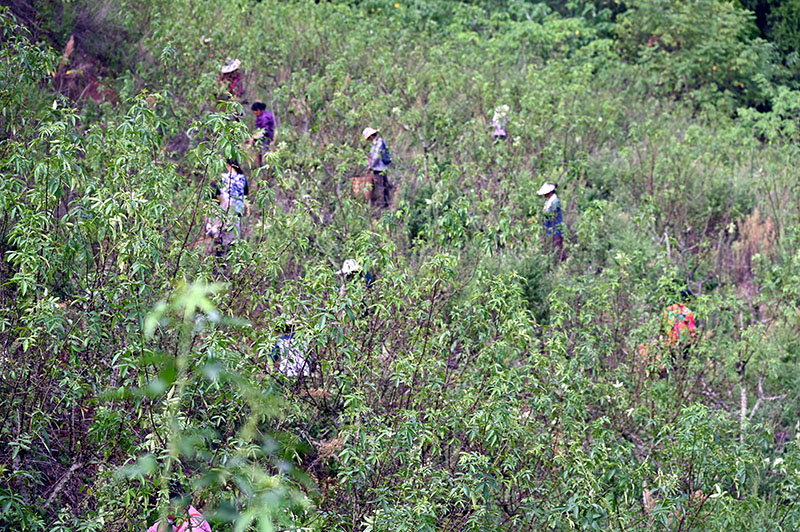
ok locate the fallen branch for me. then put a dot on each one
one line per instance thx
(762, 397)
(59, 487)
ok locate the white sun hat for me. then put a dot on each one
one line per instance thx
(349, 266)
(547, 188)
(369, 131)
(501, 111)
(231, 66)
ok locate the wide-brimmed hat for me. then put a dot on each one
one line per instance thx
(369, 131)
(349, 266)
(547, 188)
(231, 66)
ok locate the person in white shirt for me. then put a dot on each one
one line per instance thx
(499, 121)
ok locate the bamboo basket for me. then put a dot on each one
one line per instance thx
(363, 186)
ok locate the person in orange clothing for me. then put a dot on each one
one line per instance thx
(679, 322)
(678, 330)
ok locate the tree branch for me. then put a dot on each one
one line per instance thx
(59, 487)
(762, 397)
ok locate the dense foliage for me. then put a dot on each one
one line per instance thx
(479, 383)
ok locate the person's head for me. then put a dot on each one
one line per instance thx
(177, 498)
(175, 492)
(233, 164)
(370, 133)
(547, 190)
(258, 108)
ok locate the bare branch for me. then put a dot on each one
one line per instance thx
(59, 487)
(762, 397)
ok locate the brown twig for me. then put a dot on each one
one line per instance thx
(762, 397)
(59, 487)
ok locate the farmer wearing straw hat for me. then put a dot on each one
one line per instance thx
(379, 161)
(231, 78)
(553, 219)
(350, 266)
(350, 270)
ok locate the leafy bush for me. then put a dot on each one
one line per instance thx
(477, 383)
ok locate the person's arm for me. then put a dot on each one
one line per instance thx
(158, 527)
(269, 127)
(196, 521)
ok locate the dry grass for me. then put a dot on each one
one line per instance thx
(756, 236)
(330, 448)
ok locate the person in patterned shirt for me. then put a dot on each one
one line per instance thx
(232, 188)
(499, 121)
(679, 322)
(553, 218)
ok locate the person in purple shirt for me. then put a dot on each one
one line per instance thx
(265, 124)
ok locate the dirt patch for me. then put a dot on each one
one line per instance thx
(81, 77)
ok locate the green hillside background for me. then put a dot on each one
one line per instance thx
(479, 384)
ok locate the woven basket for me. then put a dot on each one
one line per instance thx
(363, 186)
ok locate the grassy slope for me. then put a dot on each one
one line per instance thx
(469, 397)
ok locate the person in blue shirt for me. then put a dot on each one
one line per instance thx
(230, 190)
(233, 188)
(553, 218)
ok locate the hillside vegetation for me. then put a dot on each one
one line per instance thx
(479, 383)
